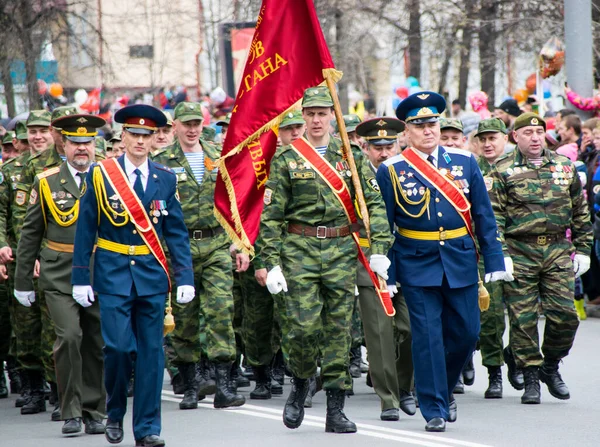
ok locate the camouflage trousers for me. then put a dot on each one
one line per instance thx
(320, 275)
(214, 302)
(493, 325)
(260, 324)
(544, 281)
(238, 312)
(356, 330)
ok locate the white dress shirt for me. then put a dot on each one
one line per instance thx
(74, 172)
(434, 154)
(130, 167)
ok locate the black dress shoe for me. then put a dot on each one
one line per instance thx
(452, 410)
(93, 426)
(72, 426)
(391, 414)
(150, 441)
(436, 424)
(468, 372)
(460, 386)
(114, 431)
(407, 403)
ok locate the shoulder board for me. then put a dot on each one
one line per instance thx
(395, 159)
(452, 150)
(281, 150)
(562, 159)
(36, 155)
(159, 151)
(163, 168)
(48, 172)
(212, 150)
(7, 163)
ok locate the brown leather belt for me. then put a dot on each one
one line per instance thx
(541, 239)
(205, 233)
(322, 232)
(62, 248)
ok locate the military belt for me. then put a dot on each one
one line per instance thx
(540, 239)
(323, 232)
(441, 235)
(131, 250)
(60, 247)
(205, 233)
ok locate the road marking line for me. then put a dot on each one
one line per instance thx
(375, 431)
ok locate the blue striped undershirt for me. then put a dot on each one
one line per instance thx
(196, 161)
(321, 150)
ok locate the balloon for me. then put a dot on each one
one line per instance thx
(395, 102)
(521, 95)
(411, 81)
(80, 96)
(415, 89)
(402, 92)
(552, 57)
(55, 90)
(42, 86)
(530, 83)
(218, 96)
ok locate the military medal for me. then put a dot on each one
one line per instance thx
(349, 173)
(443, 171)
(293, 165)
(517, 170)
(509, 171)
(421, 190)
(155, 220)
(409, 192)
(402, 178)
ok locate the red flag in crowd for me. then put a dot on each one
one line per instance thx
(92, 103)
(288, 54)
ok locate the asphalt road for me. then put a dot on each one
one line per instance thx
(481, 422)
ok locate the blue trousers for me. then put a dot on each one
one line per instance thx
(445, 327)
(132, 327)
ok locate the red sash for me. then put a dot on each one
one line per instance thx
(338, 186)
(120, 184)
(443, 184)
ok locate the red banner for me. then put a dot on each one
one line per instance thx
(288, 54)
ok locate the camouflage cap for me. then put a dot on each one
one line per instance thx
(8, 137)
(100, 144)
(451, 123)
(317, 97)
(224, 121)
(292, 118)
(21, 130)
(491, 125)
(169, 118)
(40, 118)
(59, 112)
(350, 121)
(208, 133)
(529, 119)
(188, 111)
(116, 137)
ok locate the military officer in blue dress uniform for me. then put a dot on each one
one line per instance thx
(434, 256)
(131, 284)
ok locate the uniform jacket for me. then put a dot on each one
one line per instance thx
(40, 224)
(196, 199)
(295, 193)
(116, 273)
(422, 263)
(547, 201)
(11, 199)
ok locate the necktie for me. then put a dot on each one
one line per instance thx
(431, 160)
(81, 176)
(137, 185)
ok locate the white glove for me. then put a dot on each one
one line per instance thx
(393, 289)
(276, 281)
(581, 264)
(84, 295)
(356, 293)
(380, 265)
(185, 294)
(25, 298)
(506, 275)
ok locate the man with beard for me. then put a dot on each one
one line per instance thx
(51, 218)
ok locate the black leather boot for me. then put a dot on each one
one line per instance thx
(336, 421)
(263, 383)
(37, 401)
(206, 385)
(515, 375)
(225, 396)
(468, 372)
(551, 377)
(532, 393)
(56, 416)
(293, 412)
(13, 375)
(25, 389)
(494, 390)
(177, 383)
(190, 395)
(355, 357)
(278, 368)
(312, 390)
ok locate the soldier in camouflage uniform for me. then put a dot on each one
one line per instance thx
(50, 220)
(304, 243)
(492, 138)
(536, 196)
(193, 161)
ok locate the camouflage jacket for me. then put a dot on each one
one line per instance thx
(484, 166)
(196, 199)
(11, 198)
(529, 201)
(295, 193)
